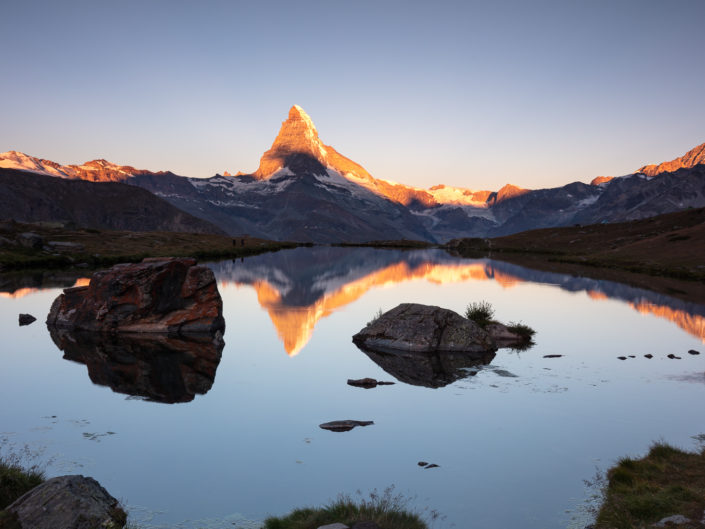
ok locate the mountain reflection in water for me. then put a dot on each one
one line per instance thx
(299, 287)
(154, 367)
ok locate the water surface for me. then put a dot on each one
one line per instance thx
(190, 439)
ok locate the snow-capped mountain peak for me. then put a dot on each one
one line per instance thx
(297, 136)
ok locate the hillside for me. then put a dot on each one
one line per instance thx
(670, 245)
(32, 197)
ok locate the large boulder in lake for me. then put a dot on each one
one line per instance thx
(424, 329)
(68, 502)
(158, 295)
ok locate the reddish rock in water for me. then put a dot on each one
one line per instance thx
(158, 295)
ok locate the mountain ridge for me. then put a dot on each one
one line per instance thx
(306, 190)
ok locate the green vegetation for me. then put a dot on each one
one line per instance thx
(522, 330)
(481, 312)
(640, 492)
(16, 478)
(388, 510)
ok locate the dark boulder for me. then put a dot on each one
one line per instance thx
(412, 327)
(68, 502)
(158, 295)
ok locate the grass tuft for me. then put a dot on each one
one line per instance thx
(386, 509)
(17, 474)
(522, 330)
(481, 312)
(377, 315)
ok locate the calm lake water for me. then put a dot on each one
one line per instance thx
(513, 442)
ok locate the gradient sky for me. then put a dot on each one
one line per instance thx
(472, 94)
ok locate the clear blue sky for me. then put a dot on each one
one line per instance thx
(473, 94)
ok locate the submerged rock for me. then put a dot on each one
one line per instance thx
(26, 319)
(367, 383)
(343, 426)
(413, 327)
(68, 502)
(155, 367)
(158, 295)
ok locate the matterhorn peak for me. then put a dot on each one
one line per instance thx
(297, 136)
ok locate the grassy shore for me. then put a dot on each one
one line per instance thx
(666, 482)
(671, 245)
(94, 248)
(664, 253)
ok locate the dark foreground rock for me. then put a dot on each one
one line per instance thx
(155, 296)
(155, 367)
(68, 502)
(343, 426)
(26, 319)
(412, 327)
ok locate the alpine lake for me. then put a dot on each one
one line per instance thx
(189, 436)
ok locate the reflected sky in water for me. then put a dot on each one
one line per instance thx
(514, 441)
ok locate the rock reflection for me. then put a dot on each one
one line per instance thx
(431, 370)
(157, 368)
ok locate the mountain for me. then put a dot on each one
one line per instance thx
(690, 159)
(305, 190)
(32, 197)
(93, 171)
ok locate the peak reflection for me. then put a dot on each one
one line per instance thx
(299, 287)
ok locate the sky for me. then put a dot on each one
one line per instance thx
(469, 94)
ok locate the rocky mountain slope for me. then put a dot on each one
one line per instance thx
(305, 190)
(690, 159)
(32, 197)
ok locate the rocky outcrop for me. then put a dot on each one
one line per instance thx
(412, 327)
(158, 295)
(68, 502)
(154, 367)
